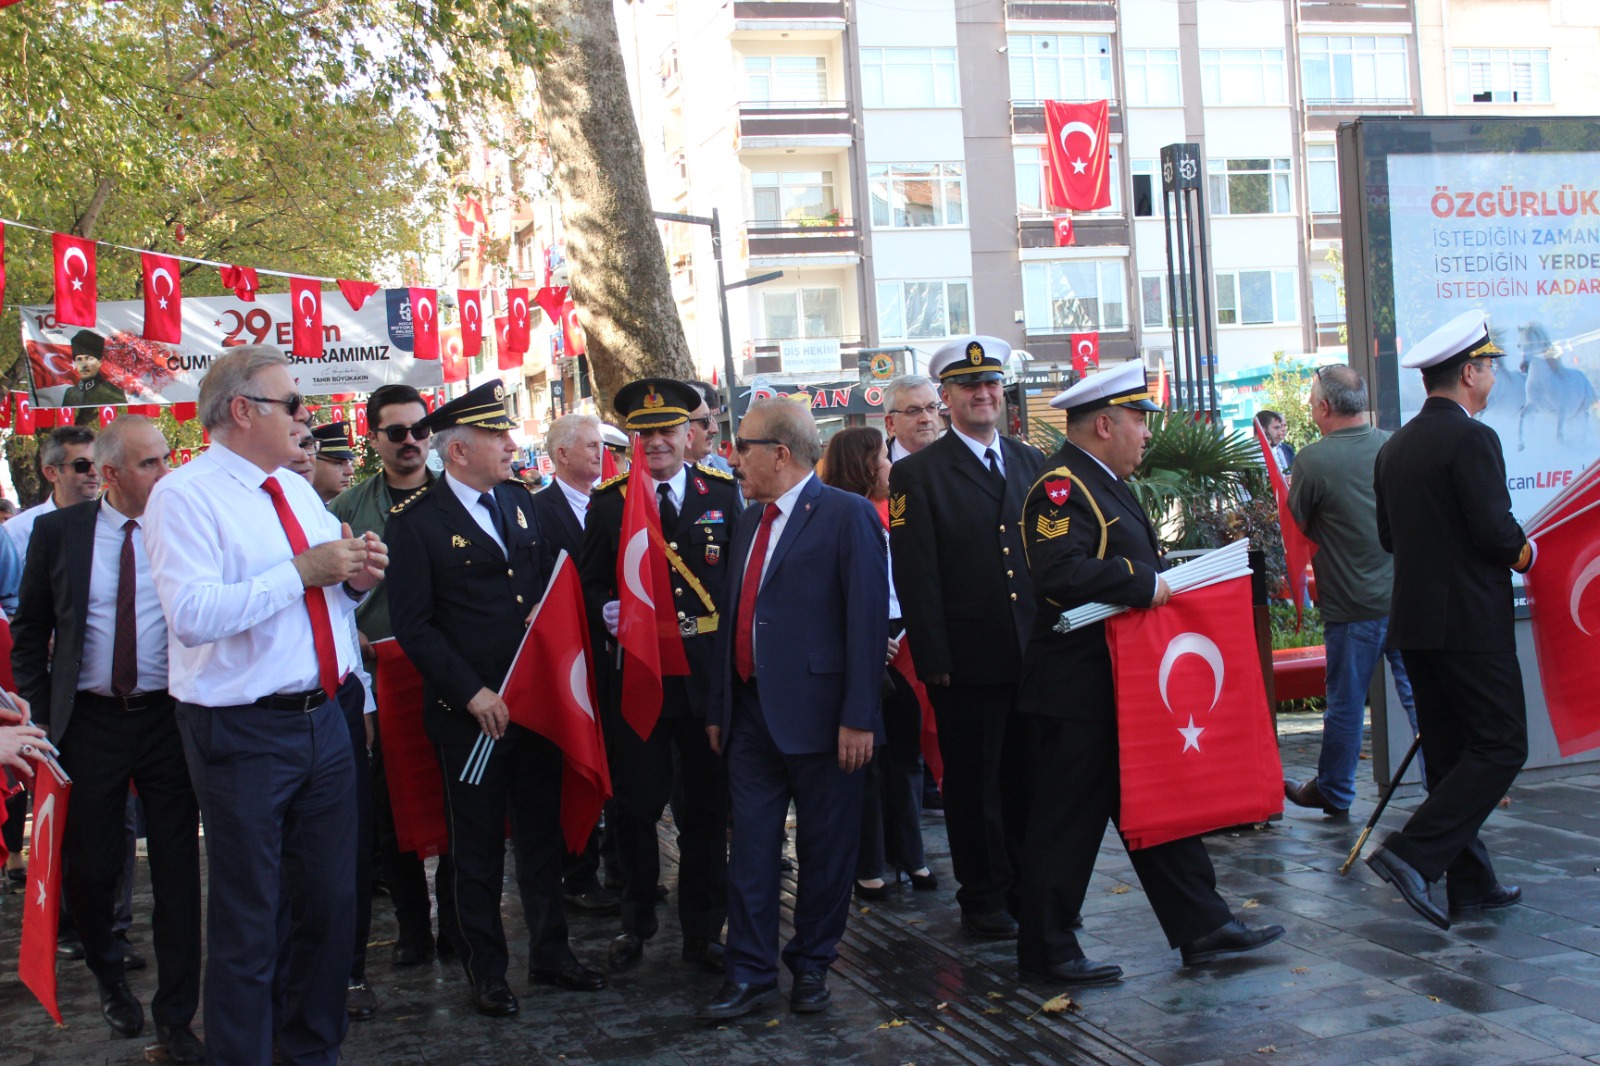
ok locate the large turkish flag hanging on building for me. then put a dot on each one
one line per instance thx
(1078, 147)
(1197, 747)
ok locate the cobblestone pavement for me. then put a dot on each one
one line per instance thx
(1357, 978)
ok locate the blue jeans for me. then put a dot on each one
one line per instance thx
(1353, 649)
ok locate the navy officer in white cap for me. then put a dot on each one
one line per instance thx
(1089, 541)
(1445, 514)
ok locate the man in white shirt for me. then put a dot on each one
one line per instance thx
(257, 583)
(67, 462)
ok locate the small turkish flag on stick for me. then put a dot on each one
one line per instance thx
(41, 914)
(75, 280)
(469, 303)
(903, 665)
(305, 306)
(163, 299)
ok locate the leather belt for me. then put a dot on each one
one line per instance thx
(305, 702)
(693, 627)
(139, 701)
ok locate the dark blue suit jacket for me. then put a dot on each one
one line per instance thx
(821, 623)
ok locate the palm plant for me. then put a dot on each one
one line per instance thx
(1193, 469)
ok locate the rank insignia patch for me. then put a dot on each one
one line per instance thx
(522, 523)
(710, 518)
(1051, 528)
(458, 541)
(897, 510)
(1058, 489)
(713, 554)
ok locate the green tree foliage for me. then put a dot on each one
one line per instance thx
(1288, 392)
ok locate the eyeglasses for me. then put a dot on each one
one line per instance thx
(929, 410)
(744, 444)
(292, 405)
(1487, 364)
(79, 466)
(311, 446)
(398, 434)
(706, 423)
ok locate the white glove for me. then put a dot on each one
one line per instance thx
(611, 613)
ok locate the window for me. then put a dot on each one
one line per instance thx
(1256, 298)
(917, 194)
(1349, 69)
(794, 314)
(923, 310)
(1148, 201)
(1153, 301)
(785, 79)
(909, 77)
(1326, 302)
(1249, 186)
(1059, 68)
(1501, 75)
(1241, 76)
(1152, 77)
(1074, 295)
(1033, 183)
(1322, 178)
(790, 196)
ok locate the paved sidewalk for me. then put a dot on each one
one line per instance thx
(1358, 978)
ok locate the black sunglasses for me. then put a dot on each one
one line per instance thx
(706, 422)
(744, 444)
(292, 405)
(79, 466)
(398, 434)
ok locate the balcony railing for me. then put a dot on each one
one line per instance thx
(1360, 104)
(1355, 11)
(814, 236)
(1088, 231)
(1027, 116)
(1061, 10)
(795, 119)
(764, 355)
(788, 10)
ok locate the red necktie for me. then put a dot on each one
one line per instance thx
(316, 605)
(744, 639)
(125, 638)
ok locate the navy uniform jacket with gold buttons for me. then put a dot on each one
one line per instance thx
(1088, 541)
(700, 537)
(458, 604)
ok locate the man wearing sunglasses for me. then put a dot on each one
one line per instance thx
(67, 462)
(704, 429)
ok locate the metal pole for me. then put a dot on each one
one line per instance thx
(1208, 328)
(1172, 299)
(727, 335)
(1195, 328)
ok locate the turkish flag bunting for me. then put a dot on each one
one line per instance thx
(572, 338)
(1085, 352)
(518, 335)
(1566, 616)
(454, 362)
(550, 690)
(425, 323)
(1196, 745)
(1298, 549)
(647, 630)
(108, 415)
(50, 417)
(186, 411)
(23, 406)
(1078, 146)
(242, 280)
(360, 420)
(470, 304)
(41, 913)
(305, 305)
(931, 754)
(185, 455)
(502, 332)
(163, 298)
(416, 786)
(75, 284)
(1064, 238)
(552, 298)
(356, 292)
(508, 359)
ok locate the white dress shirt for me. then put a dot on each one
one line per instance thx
(100, 624)
(676, 485)
(978, 450)
(578, 501)
(236, 615)
(480, 514)
(20, 526)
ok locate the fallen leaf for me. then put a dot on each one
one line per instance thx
(996, 995)
(1057, 1004)
(1270, 1049)
(940, 1028)
(866, 910)
(893, 1023)
(773, 1024)
(1120, 889)
(940, 1006)
(915, 921)
(1250, 903)
(1301, 969)
(1434, 999)
(1505, 801)
(993, 1010)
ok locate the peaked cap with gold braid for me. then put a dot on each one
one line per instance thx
(482, 408)
(655, 403)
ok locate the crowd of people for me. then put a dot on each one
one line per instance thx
(205, 637)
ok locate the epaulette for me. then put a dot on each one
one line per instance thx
(610, 481)
(519, 483)
(413, 498)
(713, 471)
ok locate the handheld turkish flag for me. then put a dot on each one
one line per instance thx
(608, 464)
(517, 322)
(411, 766)
(1566, 619)
(163, 299)
(647, 629)
(1064, 237)
(1298, 549)
(242, 280)
(572, 339)
(469, 303)
(424, 323)
(41, 914)
(550, 690)
(931, 754)
(356, 292)
(1078, 147)
(75, 280)
(305, 306)
(1196, 745)
(1085, 352)
(551, 299)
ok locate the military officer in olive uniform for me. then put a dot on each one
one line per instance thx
(471, 565)
(698, 506)
(92, 390)
(968, 606)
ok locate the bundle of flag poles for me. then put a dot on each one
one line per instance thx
(1224, 564)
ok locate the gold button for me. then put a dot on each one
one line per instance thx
(673, 545)
(1013, 595)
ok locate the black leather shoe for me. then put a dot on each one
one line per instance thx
(1413, 889)
(1076, 923)
(492, 996)
(1231, 939)
(707, 957)
(625, 952)
(1307, 794)
(360, 1003)
(571, 975)
(1499, 896)
(412, 952)
(736, 999)
(182, 1045)
(1077, 972)
(132, 957)
(810, 993)
(598, 901)
(69, 947)
(923, 882)
(996, 925)
(872, 893)
(121, 1009)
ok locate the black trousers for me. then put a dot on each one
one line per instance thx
(986, 790)
(1078, 789)
(404, 874)
(891, 813)
(521, 779)
(107, 746)
(356, 722)
(1474, 726)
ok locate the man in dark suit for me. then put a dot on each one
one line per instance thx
(968, 607)
(1089, 541)
(103, 697)
(795, 704)
(1444, 511)
(469, 565)
(698, 506)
